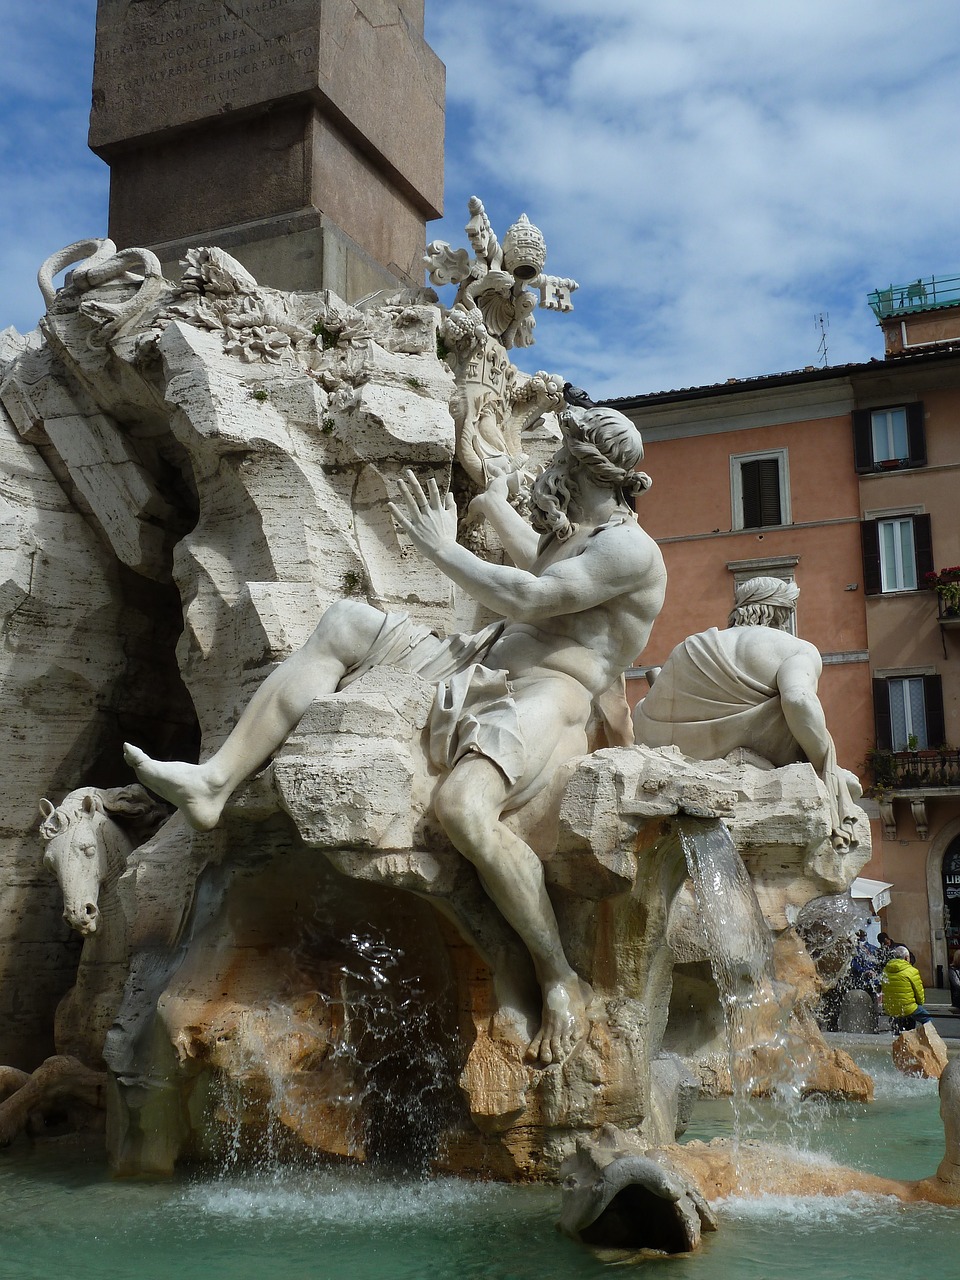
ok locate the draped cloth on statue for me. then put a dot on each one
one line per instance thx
(707, 705)
(473, 709)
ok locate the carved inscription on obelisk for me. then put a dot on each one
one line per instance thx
(304, 136)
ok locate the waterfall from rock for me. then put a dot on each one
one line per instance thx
(765, 1057)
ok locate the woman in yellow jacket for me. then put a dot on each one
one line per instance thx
(902, 989)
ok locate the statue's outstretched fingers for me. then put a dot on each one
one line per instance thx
(409, 481)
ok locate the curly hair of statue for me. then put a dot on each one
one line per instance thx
(608, 446)
(761, 615)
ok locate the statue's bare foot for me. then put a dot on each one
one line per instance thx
(184, 785)
(564, 1022)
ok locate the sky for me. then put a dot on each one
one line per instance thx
(715, 176)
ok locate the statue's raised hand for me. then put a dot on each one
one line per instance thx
(429, 520)
(497, 492)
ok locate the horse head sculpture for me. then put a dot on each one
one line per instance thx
(86, 845)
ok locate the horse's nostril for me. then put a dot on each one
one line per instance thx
(89, 909)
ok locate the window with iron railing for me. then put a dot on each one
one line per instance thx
(908, 712)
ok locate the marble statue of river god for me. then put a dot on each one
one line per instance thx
(752, 686)
(513, 701)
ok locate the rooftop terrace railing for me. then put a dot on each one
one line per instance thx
(918, 295)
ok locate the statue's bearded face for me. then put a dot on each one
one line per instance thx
(599, 444)
(552, 492)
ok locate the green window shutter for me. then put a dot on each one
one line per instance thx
(870, 544)
(862, 441)
(923, 546)
(760, 483)
(933, 710)
(916, 435)
(881, 715)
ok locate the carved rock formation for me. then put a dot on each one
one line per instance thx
(61, 1092)
(219, 456)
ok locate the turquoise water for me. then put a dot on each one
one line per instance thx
(62, 1216)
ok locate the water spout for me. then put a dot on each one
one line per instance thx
(764, 1055)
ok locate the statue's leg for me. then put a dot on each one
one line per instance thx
(469, 804)
(342, 639)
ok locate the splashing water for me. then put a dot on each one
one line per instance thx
(398, 1052)
(764, 1055)
(362, 1069)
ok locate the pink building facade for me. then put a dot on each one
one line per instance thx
(845, 480)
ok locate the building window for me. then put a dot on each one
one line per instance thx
(888, 428)
(908, 721)
(760, 489)
(898, 557)
(897, 552)
(908, 711)
(889, 438)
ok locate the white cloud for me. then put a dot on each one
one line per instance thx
(717, 174)
(54, 189)
(713, 175)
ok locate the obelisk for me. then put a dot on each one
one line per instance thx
(305, 137)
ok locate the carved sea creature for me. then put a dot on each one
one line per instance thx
(616, 1196)
(88, 837)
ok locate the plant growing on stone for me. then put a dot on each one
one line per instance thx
(328, 338)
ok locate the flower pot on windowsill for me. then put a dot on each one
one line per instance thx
(892, 464)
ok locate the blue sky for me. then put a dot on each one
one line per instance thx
(714, 176)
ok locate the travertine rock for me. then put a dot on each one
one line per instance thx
(243, 444)
(75, 642)
(920, 1052)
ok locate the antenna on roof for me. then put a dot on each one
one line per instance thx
(822, 321)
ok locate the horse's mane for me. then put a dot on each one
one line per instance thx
(131, 808)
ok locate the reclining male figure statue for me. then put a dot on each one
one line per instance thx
(753, 685)
(513, 702)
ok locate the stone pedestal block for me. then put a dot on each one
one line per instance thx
(305, 137)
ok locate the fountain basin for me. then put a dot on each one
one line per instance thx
(60, 1203)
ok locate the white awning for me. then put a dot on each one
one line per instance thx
(877, 892)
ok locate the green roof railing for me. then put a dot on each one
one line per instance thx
(917, 295)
